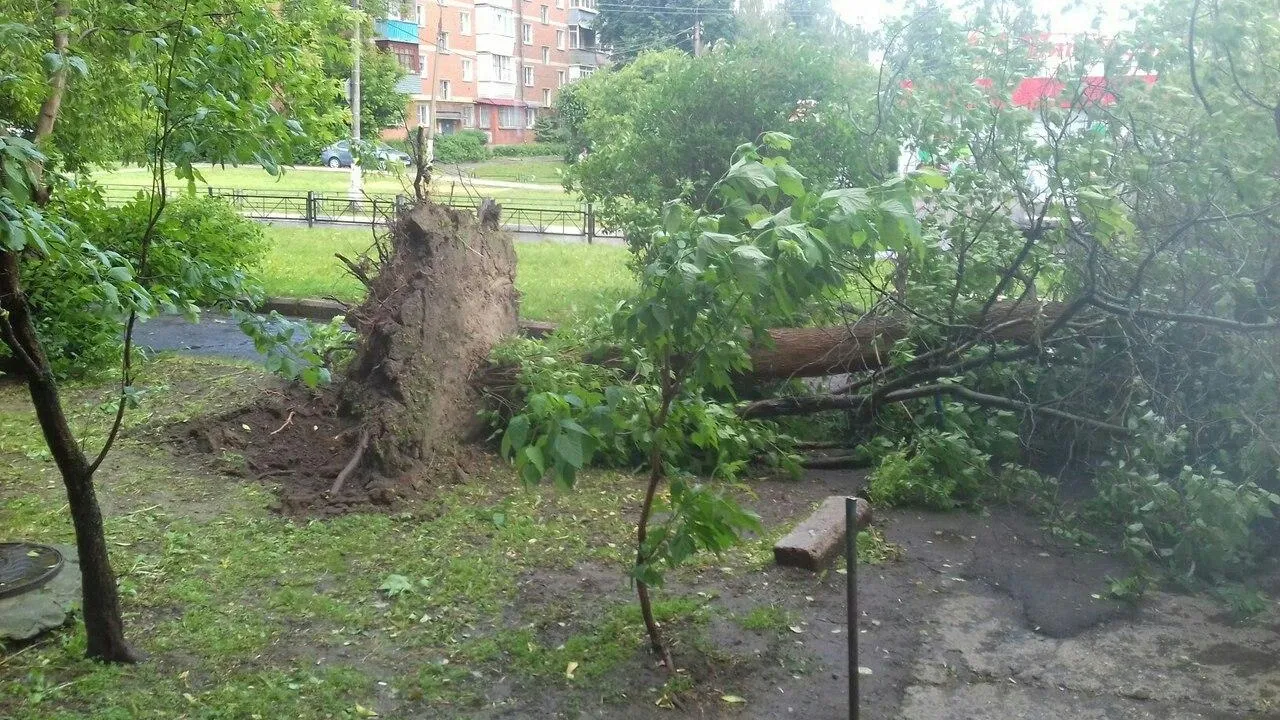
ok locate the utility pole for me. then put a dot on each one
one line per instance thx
(356, 47)
(697, 35)
(435, 87)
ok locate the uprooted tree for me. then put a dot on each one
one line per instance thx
(1084, 274)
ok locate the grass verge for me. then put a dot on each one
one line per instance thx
(322, 180)
(556, 281)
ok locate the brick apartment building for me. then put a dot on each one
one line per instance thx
(498, 63)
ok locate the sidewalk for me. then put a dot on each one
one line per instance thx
(453, 177)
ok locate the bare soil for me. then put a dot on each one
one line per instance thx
(297, 440)
(984, 617)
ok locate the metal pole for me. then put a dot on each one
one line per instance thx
(311, 208)
(356, 48)
(697, 35)
(435, 87)
(851, 590)
(591, 224)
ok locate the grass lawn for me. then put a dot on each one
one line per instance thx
(485, 599)
(246, 614)
(540, 170)
(557, 281)
(302, 179)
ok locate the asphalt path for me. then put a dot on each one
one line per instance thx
(216, 334)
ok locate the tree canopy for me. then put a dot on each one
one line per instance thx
(629, 29)
(666, 125)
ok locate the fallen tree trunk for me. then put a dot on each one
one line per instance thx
(859, 346)
(866, 344)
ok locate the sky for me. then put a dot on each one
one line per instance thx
(871, 13)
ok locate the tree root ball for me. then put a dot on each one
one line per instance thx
(441, 300)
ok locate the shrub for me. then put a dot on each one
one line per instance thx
(200, 255)
(529, 150)
(1193, 521)
(934, 469)
(460, 147)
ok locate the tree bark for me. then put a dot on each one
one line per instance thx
(866, 344)
(856, 347)
(103, 624)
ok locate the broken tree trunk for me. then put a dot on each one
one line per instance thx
(439, 303)
(859, 346)
(817, 540)
(866, 344)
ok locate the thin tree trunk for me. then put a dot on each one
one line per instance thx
(57, 88)
(101, 605)
(642, 529)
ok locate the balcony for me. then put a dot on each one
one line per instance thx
(396, 31)
(590, 57)
(581, 16)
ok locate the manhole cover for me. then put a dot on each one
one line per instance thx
(26, 566)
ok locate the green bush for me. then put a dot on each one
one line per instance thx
(200, 255)
(202, 249)
(460, 147)
(935, 469)
(1193, 521)
(529, 150)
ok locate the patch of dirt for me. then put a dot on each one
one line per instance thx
(985, 617)
(296, 439)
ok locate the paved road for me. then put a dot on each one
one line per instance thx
(216, 334)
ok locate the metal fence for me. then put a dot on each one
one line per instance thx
(518, 215)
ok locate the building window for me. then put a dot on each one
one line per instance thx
(467, 74)
(560, 4)
(444, 42)
(546, 55)
(527, 71)
(423, 67)
(510, 118)
(468, 117)
(530, 117)
(464, 23)
(559, 78)
(542, 14)
(420, 14)
(588, 4)
(482, 116)
(423, 114)
(526, 34)
(444, 89)
(573, 37)
(502, 68)
(559, 39)
(546, 97)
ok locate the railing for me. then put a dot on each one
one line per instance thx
(526, 215)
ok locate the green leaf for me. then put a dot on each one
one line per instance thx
(776, 140)
(533, 456)
(516, 434)
(569, 448)
(750, 174)
(751, 254)
(673, 217)
(789, 180)
(930, 178)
